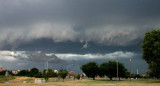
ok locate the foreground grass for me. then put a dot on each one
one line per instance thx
(86, 82)
(6, 79)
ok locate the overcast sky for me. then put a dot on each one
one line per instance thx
(74, 29)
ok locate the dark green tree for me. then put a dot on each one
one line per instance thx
(151, 51)
(103, 69)
(122, 71)
(48, 74)
(2, 72)
(33, 72)
(63, 73)
(38, 75)
(23, 73)
(78, 76)
(45, 75)
(110, 69)
(90, 69)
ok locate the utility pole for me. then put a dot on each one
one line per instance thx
(68, 66)
(130, 69)
(46, 66)
(117, 67)
(137, 71)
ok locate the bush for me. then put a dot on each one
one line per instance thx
(78, 76)
(38, 75)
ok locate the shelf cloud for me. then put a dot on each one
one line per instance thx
(74, 29)
(108, 22)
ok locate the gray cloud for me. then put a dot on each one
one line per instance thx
(108, 22)
(36, 56)
(113, 55)
(39, 56)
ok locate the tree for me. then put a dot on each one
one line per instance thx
(23, 73)
(45, 75)
(103, 69)
(63, 73)
(38, 75)
(78, 76)
(90, 69)
(153, 70)
(3, 72)
(151, 51)
(33, 72)
(122, 71)
(110, 69)
(48, 74)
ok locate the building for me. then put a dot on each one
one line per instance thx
(1, 69)
(15, 72)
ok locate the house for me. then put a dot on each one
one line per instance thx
(1, 69)
(15, 72)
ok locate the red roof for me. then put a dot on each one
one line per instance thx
(1, 69)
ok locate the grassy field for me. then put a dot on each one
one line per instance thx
(18, 81)
(4, 79)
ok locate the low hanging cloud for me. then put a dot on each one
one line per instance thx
(7, 56)
(106, 22)
(29, 56)
(39, 56)
(113, 55)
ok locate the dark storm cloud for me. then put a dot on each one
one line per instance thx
(79, 12)
(37, 56)
(108, 22)
(42, 57)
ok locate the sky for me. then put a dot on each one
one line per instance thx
(69, 33)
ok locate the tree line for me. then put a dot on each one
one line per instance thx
(151, 54)
(46, 73)
(92, 69)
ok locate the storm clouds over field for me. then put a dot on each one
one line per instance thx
(74, 31)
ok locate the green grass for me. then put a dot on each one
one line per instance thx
(86, 82)
(6, 79)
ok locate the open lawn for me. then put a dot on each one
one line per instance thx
(84, 82)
